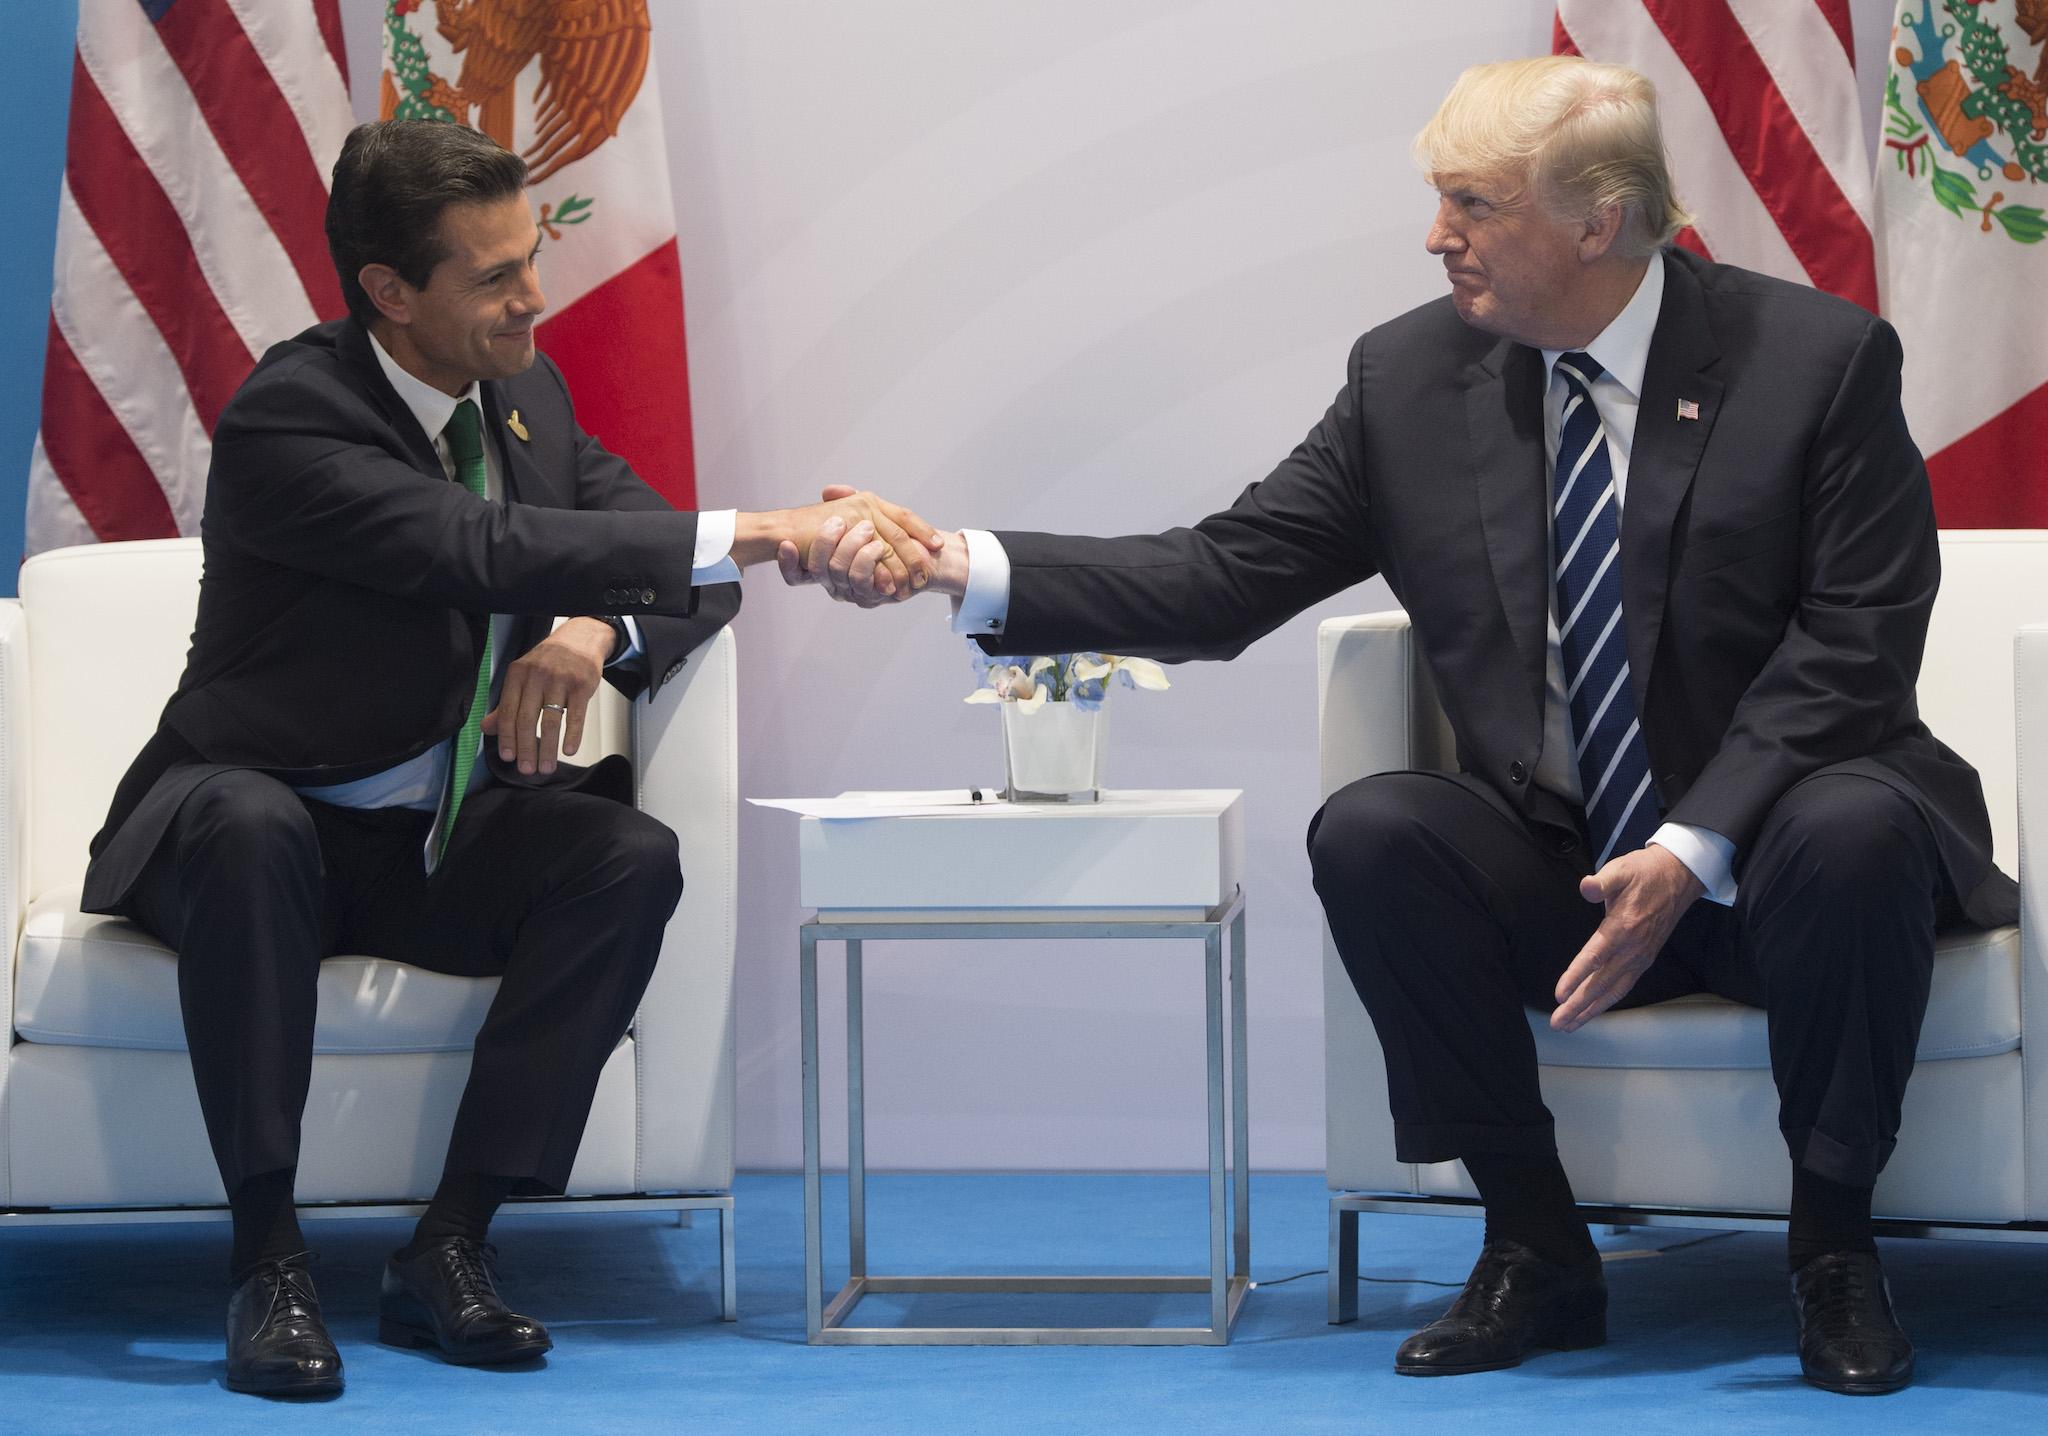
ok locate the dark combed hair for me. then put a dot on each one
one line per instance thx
(392, 182)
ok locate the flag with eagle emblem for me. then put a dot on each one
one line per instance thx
(1962, 186)
(570, 86)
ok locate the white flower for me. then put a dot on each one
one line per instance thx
(1142, 673)
(1007, 683)
(1078, 678)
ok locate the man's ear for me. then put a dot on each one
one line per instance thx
(388, 291)
(1601, 232)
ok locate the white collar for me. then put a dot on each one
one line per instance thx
(429, 405)
(1622, 349)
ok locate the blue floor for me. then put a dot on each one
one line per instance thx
(117, 1329)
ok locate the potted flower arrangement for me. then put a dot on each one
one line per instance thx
(1053, 718)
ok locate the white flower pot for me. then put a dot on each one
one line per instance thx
(1054, 752)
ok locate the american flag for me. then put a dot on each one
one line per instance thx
(189, 239)
(1761, 115)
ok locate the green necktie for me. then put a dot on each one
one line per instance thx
(466, 446)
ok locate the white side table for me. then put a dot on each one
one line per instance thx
(1150, 864)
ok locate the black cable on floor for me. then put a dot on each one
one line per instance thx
(1454, 1285)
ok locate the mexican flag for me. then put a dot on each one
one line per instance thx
(1963, 249)
(570, 85)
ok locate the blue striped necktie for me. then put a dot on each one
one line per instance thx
(1614, 766)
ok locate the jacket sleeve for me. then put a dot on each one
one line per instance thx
(1290, 541)
(297, 480)
(606, 482)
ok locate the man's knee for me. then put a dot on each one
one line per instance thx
(1367, 828)
(647, 857)
(1845, 838)
(249, 821)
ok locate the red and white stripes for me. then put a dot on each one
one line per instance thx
(1761, 115)
(189, 240)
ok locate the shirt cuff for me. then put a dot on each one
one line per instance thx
(633, 648)
(985, 607)
(712, 562)
(1709, 856)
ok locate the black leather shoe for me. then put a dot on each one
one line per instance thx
(1849, 1339)
(447, 1296)
(1513, 1303)
(277, 1343)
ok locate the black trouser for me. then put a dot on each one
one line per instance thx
(1451, 918)
(563, 895)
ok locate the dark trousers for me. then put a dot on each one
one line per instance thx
(562, 895)
(1452, 917)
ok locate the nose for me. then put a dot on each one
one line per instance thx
(531, 300)
(1443, 237)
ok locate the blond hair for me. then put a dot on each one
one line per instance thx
(1583, 135)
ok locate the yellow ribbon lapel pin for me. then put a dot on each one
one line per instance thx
(518, 428)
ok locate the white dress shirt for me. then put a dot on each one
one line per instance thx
(1623, 350)
(421, 782)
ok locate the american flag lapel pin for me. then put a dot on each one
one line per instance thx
(1687, 409)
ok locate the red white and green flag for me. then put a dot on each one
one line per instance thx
(1962, 183)
(570, 85)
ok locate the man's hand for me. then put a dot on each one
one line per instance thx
(1646, 892)
(848, 563)
(905, 543)
(540, 707)
(856, 561)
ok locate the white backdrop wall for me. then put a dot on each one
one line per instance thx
(1081, 265)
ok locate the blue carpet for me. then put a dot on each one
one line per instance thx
(117, 1329)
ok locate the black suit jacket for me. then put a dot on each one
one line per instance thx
(1779, 556)
(348, 584)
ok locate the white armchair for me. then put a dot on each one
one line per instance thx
(98, 1117)
(1666, 1115)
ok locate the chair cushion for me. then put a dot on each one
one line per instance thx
(1973, 1011)
(88, 981)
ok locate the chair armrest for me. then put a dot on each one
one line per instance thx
(686, 757)
(1376, 706)
(2030, 719)
(14, 760)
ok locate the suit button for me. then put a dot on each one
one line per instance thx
(673, 670)
(611, 598)
(1517, 773)
(647, 595)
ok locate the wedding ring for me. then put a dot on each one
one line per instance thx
(562, 708)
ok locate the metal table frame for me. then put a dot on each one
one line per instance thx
(1346, 1206)
(826, 1320)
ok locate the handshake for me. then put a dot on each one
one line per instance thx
(860, 548)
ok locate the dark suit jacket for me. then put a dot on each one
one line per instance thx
(348, 584)
(1778, 556)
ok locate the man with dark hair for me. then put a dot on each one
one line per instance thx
(1669, 553)
(400, 505)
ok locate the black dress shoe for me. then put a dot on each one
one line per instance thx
(277, 1343)
(1513, 1303)
(1849, 1339)
(446, 1296)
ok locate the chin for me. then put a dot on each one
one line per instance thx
(508, 361)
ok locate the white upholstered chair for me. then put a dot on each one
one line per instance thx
(1667, 1114)
(98, 1116)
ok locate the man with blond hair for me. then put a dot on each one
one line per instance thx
(1691, 756)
